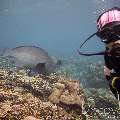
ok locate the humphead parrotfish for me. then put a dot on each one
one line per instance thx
(34, 57)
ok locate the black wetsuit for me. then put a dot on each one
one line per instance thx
(112, 61)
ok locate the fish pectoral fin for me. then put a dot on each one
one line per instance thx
(41, 68)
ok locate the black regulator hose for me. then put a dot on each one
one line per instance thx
(89, 54)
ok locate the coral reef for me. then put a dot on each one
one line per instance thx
(67, 92)
(26, 98)
(58, 96)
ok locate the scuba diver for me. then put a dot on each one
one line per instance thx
(108, 24)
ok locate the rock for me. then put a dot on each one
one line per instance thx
(68, 92)
(54, 97)
(57, 91)
(72, 99)
(30, 118)
(73, 86)
(60, 86)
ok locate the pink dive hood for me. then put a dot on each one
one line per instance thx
(112, 15)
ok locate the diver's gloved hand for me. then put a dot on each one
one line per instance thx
(107, 71)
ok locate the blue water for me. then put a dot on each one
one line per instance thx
(58, 26)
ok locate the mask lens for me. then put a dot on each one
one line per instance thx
(110, 32)
(104, 35)
(104, 40)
